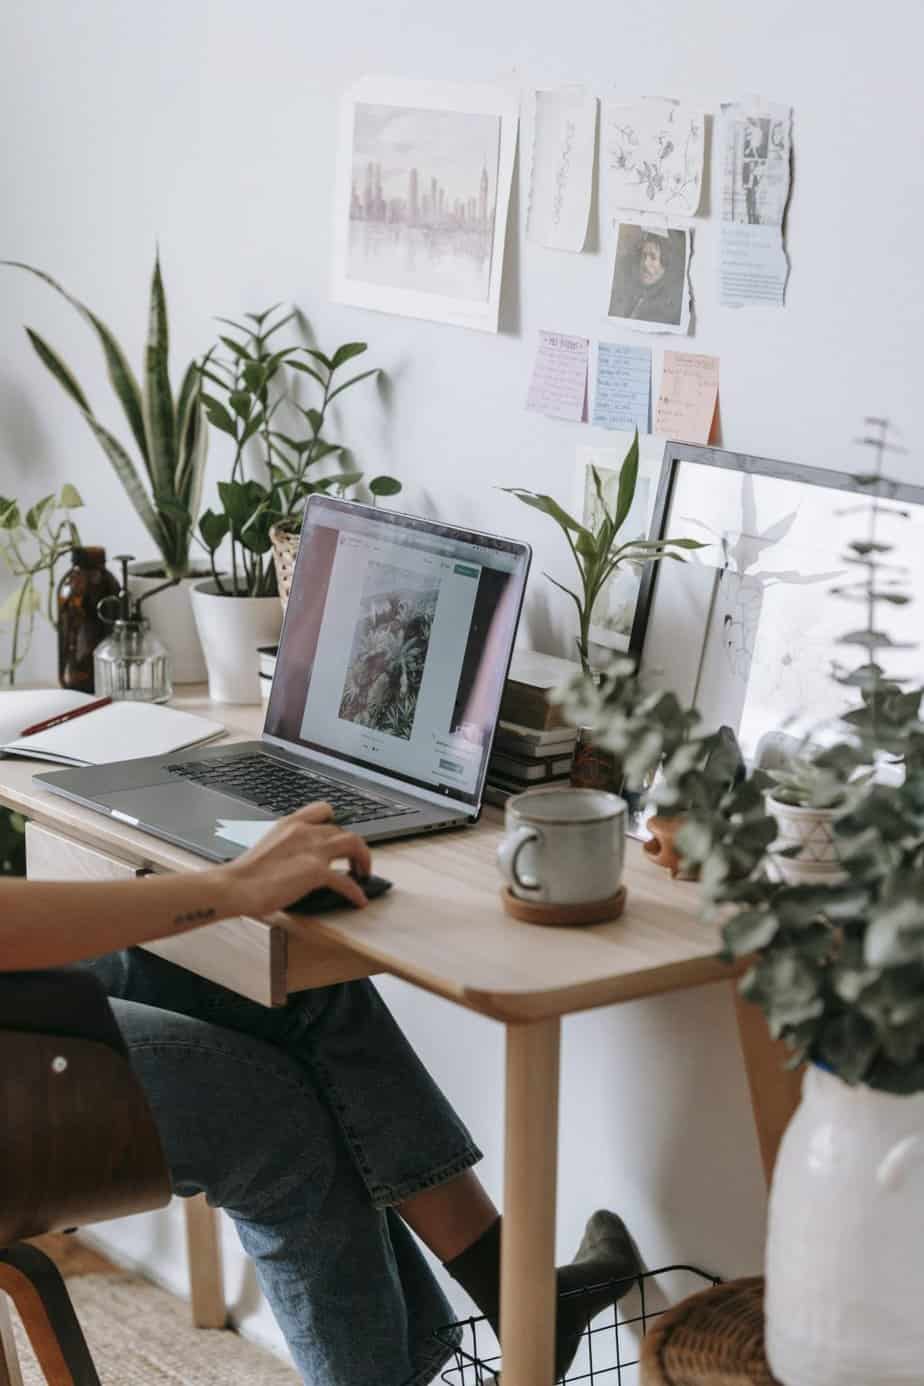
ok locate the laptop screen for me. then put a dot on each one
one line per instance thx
(396, 644)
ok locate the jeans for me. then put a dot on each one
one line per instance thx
(306, 1123)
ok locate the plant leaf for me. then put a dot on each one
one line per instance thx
(58, 369)
(125, 470)
(364, 375)
(346, 353)
(384, 486)
(120, 372)
(157, 399)
(69, 497)
(306, 370)
(628, 480)
(548, 506)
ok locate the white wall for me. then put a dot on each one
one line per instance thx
(208, 125)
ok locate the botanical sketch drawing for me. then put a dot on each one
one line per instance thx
(423, 200)
(655, 164)
(389, 650)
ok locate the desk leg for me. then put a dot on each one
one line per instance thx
(774, 1089)
(203, 1251)
(528, 1237)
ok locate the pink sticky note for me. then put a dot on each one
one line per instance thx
(559, 384)
(688, 397)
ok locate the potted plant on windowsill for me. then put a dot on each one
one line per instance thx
(838, 970)
(171, 439)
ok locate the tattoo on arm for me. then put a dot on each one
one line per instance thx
(195, 917)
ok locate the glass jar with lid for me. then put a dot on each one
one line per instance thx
(130, 664)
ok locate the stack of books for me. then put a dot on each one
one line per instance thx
(532, 746)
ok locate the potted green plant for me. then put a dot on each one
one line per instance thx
(170, 437)
(599, 552)
(249, 398)
(249, 395)
(31, 544)
(838, 970)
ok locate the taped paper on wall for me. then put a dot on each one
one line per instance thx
(650, 288)
(558, 387)
(561, 180)
(622, 398)
(653, 151)
(756, 148)
(688, 397)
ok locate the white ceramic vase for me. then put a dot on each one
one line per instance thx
(845, 1240)
(231, 630)
(812, 831)
(171, 616)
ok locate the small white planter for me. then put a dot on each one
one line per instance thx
(231, 630)
(171, 616)
(812, 831)
(845, 1240)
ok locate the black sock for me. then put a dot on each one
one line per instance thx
(606, 1253)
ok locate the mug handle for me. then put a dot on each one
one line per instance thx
(508, 853)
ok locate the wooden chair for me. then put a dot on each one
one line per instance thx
(78, 1145)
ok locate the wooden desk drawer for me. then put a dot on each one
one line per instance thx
(245, 955)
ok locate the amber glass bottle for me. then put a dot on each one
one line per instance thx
(80, 629)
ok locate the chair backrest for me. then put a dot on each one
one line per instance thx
(78, 1143)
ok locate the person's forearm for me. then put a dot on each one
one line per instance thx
(50, 923)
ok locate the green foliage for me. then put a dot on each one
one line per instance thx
(597, 552)
(31, 546)
(170, 434)
(246, 393)
(839, 967)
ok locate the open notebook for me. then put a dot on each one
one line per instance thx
(119, 731)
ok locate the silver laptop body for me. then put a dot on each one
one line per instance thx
(395, 647)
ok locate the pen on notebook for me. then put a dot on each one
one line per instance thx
(65, 717)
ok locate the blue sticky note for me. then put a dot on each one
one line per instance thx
(622, 398)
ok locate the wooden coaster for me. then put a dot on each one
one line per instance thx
(537, 912)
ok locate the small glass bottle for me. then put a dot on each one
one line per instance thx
(80, 627)
(131, 664)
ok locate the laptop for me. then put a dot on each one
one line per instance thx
(396, 643)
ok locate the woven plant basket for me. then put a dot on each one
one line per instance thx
(285, 537)
(715, 1338)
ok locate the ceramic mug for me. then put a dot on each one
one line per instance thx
(564, 846)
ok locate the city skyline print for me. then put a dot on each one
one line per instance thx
(423, 200)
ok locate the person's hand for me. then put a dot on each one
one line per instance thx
(296, 856)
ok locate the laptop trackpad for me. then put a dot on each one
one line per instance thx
(188, 811)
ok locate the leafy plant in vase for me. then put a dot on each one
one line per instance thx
(32, 542)
(838, 970)
(247, 397)
(598, 553)
(170, 438)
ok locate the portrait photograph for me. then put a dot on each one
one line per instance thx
(649, 287)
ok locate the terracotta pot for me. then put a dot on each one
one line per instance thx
(660, 846)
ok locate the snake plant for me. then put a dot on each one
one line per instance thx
(170, 434)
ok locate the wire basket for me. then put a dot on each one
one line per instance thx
(610, 1345)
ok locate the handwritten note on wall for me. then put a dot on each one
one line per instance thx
(559, 383)
(561, 182)
(622, 398)
(688, 397)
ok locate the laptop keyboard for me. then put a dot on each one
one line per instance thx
(278, 788)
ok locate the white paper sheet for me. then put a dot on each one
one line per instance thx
(622, 397)
(558, 387)
(755, 143)
(649, 285)
(688, 396)
(561, 180)
(653, 153)
(423, 188)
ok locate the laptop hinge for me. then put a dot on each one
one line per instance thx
(429, 796)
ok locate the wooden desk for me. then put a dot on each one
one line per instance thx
(442, 928)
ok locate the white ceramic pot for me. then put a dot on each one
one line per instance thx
(171, 616)
(812, 831)
(231, 630)
(845, 1240)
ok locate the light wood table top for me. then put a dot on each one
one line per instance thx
(443, 927)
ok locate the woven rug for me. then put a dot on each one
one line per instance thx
(140, 1335)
